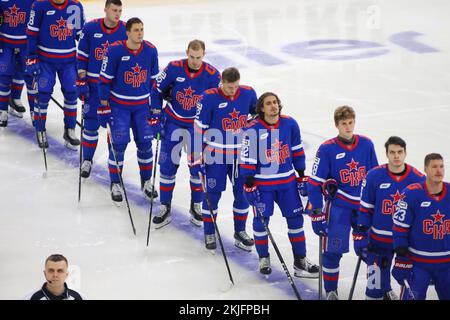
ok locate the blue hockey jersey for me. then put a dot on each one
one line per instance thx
(271, 153)
(53, 29)
(347, 164)
(185, 90)
(422, 223)
(15, 18)
(126, 75)
(220, 120)
(381, 191)
(95, 39)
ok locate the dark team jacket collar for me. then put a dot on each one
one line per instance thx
(51, 296)
(195, 74)
(441, 194)
(109, 30)
(399, 177)
(60, 6)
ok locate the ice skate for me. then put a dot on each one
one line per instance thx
(264, 266)
(332, 295)
(163, 217)
(390, 295)
(146, 187)
(196, 214)
(41, 137)
(210, 242)
(16, 108)
(243, 241)
(303, 268)
(71, 141)
(86, 168)
(3, 118)
(116, 193)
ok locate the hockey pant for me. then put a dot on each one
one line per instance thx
(216, 178)
(91, 124)
(122, 119)
(173, 141)
(420, 280)
(45, 83)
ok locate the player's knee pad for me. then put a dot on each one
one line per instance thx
(214, 198)
(5, 82)
(91, 124)
(295, 222)
(120, 147)
(144, 147)
(258, 225)
(168, 169)
(70, 96)
(44, 97)
(331, 260)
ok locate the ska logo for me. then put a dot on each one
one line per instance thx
(136, 77)
(61, 29)
(278, 153)
(389, 206)
(14, 17)
(188, 99)
(235, 122)
(101, 51)
(354, 175)
(437, 227)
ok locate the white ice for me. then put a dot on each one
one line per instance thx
(404, 91)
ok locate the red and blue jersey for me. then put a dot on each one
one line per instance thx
(220, 120)
(380, 194)
(347, 164)
(95, 39)
(422, 224)
(15, 18)
(185, 90)
(53, 28)
(126, 75)
(271, 154)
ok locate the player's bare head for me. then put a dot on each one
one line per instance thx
(395, 151)
(268, 104)
(55, 270)
(343, 113)
(195, 53)
(113, 10)
(434, 167)
(135, 29)
(344, 119)
(230, 81)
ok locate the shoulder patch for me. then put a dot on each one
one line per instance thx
(246, 87)
(177, 63)
(149, 44)
(212, 91)
(414, 186)
(420, 174)
(329, 141)
(210, 69)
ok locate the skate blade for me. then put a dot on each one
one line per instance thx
(15, 113)
(70, 147)
(118, 204)
(242, 246)
(196, 222)
(211, 251)
(305, 274)
(163, 224)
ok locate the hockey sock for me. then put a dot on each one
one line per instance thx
(261, 236)
(90, 140)
(208, 225)
(16, 88)
(296, 235)
(112, 167)
(5, 92)
(166, 186)
(31, 93)
(70, 110)
(240, 210)
(145, 161)
(331, 270)
(196, 189)
(40, 111)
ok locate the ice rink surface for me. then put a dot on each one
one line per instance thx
(387, 59)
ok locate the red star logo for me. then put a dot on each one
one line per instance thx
(105, 46)
(353, 165)
(13, 9)
(234, 114)
(61, 23)
(277, 145)
(438, 217)
(188, 92)
(137, 68)
(397, 196)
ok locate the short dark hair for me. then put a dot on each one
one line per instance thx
(116, 2)
(432, 156)
(231, 75)
(132, 21)
(56, 258)
(260, 103)
(395, 140)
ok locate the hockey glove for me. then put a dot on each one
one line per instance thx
(360, 242)
(82, 88)
(319, 222)
(402, 269)
(32, 66)
(196, 166)
(155, 121)
(302, 186)
(251, 193)
(329, 189)
(104, 114)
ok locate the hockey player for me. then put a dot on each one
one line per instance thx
(345, 159)
(13, 44)
(125, 81)
(96, 37)
(271, 150)
(221, 117)
(53, 27)
(380, 194)
(184, 81)
(422, 234)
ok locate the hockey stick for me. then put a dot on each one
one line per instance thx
(202, 179)
(62, 108)
(320, 266)
(408, 287)
(153, 185)
(81, 148)
(120, 176)
(37, 132)
(355, 276)
(272, 240)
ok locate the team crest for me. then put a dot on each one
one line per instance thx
(212, 183)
